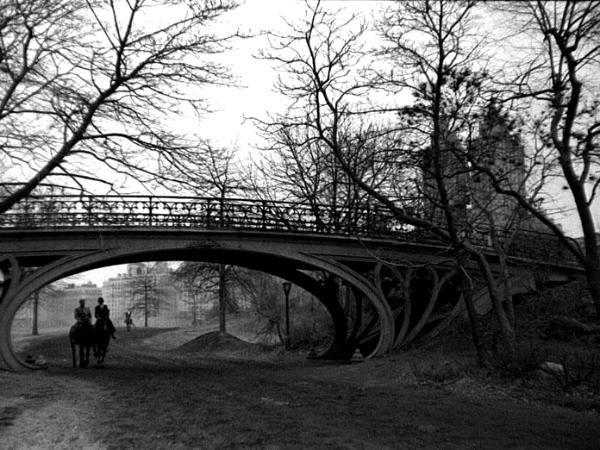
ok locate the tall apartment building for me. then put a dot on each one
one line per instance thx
(471, 196)
(499, 150)
(454, 174)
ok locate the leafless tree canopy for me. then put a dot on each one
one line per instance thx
(322, 61)
(89, 84)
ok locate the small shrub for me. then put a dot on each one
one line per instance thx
(525, 359)
(435, 369)
(579, 368)
(307, 332)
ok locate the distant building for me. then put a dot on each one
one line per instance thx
(69, 296)
(144, 286)
(497, 149)
(454, 173)
(500, 150)
(56, 305)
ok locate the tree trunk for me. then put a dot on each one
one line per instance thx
(145, 305)
(506, 328)
(222, 299)
(467, 290)
(592, 273)
(506, 294)
(194, 316)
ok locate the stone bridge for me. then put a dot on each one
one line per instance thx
(384, 283)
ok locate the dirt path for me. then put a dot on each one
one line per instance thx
(149, 398)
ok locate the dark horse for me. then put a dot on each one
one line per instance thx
(102, 334)
(87, 337)
(82, 336)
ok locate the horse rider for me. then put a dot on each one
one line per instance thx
(101, 313)
(128, 320)
(83, 316)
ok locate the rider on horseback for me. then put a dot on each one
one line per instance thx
(81, 334)
(101, 313)
(83, 317)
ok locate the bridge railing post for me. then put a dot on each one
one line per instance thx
(89, 208)
(264, 215)
(150, 211)
(221, 212)
(29, 217)
(208, 212)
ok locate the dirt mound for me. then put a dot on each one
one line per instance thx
(216, 342)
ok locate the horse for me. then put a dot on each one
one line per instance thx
(102, 335)
(81, 336)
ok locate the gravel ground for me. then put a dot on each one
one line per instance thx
(152, 395)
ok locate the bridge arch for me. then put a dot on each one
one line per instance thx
(372, 252)
(290, 266)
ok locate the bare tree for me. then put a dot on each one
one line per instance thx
(145, 292)
(425, 43)
(437, 45)
(214, 171)
(36, 37)
(296, 167)
(559, 82)
(431, 47)
(324, 53)
(103, 82)
(193, 277)
(206, 278)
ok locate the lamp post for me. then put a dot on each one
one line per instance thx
(287, 286)
(36, 307)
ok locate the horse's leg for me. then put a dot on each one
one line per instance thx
(101, 352)
(102, 347)
(73, 354)
(85, 355)
(97, 347)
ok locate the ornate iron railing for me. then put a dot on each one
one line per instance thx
(199, 213)
(75, 211)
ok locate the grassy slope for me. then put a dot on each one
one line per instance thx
(450, 358)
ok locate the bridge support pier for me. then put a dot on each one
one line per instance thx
(11, 279)
(423, 299)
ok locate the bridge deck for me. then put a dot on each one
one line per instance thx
(102, 214)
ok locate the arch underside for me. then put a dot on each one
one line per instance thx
(374, 306)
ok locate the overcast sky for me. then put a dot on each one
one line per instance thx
(256, 77)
